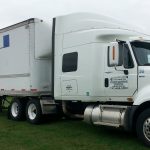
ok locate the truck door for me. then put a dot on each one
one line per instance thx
(121, 81)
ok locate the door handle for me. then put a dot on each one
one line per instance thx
(108, 72)
(126, 72)
(106, 82)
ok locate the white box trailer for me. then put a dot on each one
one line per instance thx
(25, 51)
(82, 66)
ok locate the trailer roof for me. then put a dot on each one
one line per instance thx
(17, 25)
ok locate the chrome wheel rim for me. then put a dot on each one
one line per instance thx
(14, 109)
(32, 111)
(146, 129)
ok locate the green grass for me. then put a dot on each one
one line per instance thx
(63, 135)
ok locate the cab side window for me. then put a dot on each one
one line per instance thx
(70, 62)
(127, 58)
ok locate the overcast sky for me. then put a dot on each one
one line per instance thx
(134, 12)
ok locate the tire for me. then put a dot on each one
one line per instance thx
(17, 110)
(33, 111)
(143, 127)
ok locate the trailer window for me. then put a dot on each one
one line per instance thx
(70, 61)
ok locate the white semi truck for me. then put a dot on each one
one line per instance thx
(83, 66)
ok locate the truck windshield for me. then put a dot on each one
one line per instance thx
(142, 52)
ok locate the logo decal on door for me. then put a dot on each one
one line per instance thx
(120, 82)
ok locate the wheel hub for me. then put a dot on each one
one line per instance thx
(32, 111)
(146, 128)
(14, 109)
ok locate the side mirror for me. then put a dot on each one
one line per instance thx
(114, 54)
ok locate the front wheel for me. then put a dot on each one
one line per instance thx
(143, 127)
(33, 111)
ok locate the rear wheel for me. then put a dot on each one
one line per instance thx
(33, 111)
(143, 127)
(17, 110)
